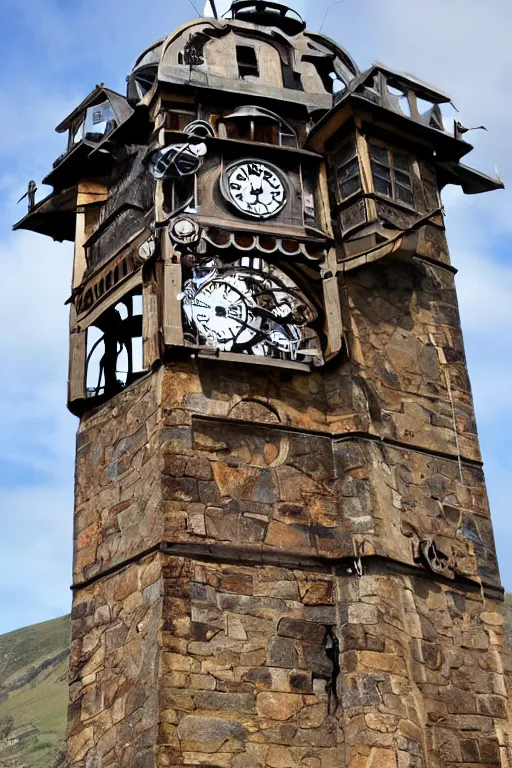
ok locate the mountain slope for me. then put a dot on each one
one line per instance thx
(33, 694)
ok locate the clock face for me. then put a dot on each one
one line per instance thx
(256, 189)
(222, 312)
(252, 308)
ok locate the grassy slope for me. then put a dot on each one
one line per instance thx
(30, 646)
(42, 701)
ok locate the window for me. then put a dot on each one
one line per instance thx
(252, 123)
(266, 132)
(349, 178)
(286, 137)
(141, 82)
(99, 121)
(178, 195)
(77, 133)
(247, 61)
(391, 174)
(114, 348)
(177, 120)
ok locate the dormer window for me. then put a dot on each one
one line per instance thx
(93, 125)
(247, 61)
(99, 121)
(391, 173)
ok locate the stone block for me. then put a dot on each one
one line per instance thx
(282, 653)
(209, 734)
(225, 702)
(306, 631)
(278, 706)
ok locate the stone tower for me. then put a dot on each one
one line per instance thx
(283, 554)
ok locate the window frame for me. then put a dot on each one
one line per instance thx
(352, 158)
(189, 116)
(284, 133)
(255, 67)
(391, 178)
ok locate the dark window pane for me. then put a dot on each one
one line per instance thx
(247, 61)
(349, 169)
(403, 194)
(347, 152)
(381, 172)
(288, 140)
(266, 133)
(231, 130)
(379, 153)
(401, 162)
(238, 129)
(350, 186)
(173, 122)
(382, 186)
(403, 178)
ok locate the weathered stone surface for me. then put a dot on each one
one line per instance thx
(229, 661)
(278, 706)
(210, 734)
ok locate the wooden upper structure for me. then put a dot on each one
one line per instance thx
(145, 190)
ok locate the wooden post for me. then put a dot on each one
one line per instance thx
(172, 322)
(150, 325)
(332, 304)
(77, 359)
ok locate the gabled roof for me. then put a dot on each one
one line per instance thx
(361, 94)
(423, 89)
(122, 109)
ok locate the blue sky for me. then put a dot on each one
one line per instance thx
(53, 53)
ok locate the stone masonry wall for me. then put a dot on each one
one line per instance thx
(184, 662)
(280, 569)
(114, 669)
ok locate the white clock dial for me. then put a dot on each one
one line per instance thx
(255, 188)
(221, 312)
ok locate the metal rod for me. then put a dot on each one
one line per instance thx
(194, 7)
(326, 13)
(214, 9)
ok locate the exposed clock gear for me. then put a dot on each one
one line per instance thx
(250, 307)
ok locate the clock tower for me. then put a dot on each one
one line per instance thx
(283, 552)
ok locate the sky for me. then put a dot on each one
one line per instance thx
(53, 54)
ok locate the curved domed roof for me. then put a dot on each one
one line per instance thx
(264, 50)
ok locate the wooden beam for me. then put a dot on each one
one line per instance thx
(332, 304)
(79, 261)
(365, 165)
(172, 317)
(122, 288)
(150, 324)
(77, 359)
(323, 201)
(90, 192)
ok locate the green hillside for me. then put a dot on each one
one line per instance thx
(33, 695)
(33, 692)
